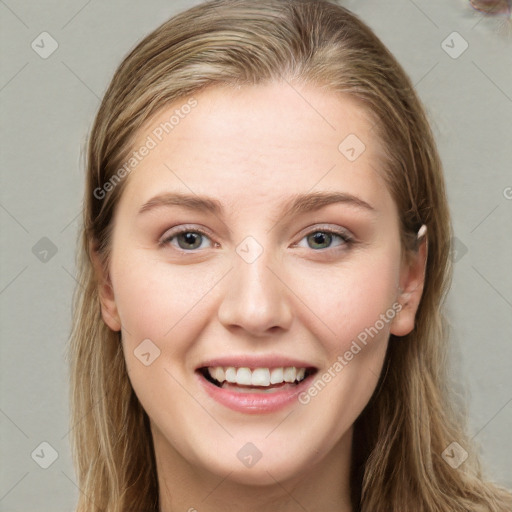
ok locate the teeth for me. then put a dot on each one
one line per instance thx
(219, 374)
(230, 374)
(261, 377)
(244, 377)
(276, 376)
(258, 377)
(289, 374)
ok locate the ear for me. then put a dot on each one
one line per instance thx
(412, 280)
(105, 292)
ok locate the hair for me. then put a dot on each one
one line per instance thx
(399, 438)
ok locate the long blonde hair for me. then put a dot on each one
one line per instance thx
(400, 436)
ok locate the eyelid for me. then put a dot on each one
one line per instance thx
(184, 228)
(326, 228)
(342, 232)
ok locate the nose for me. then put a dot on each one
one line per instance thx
(256, 298)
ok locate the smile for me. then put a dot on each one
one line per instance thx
(253, 388)
(258, 379)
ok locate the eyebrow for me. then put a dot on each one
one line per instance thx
(192, 202)
(297, 205)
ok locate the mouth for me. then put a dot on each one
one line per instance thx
(256, 380)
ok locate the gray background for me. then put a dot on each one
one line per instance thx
(47, 108)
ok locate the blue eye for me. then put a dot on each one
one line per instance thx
(187, 240)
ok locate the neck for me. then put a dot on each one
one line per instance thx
(184, 487)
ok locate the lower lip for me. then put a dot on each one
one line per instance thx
(254, 403)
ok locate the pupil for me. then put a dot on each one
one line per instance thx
(190, 239)
(320, 238)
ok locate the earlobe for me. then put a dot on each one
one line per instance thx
(105, 293)
(412, 280)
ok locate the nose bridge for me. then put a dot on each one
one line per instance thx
(255, 298)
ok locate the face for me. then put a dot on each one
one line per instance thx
(256, 275)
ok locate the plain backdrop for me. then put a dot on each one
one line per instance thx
(48, 105)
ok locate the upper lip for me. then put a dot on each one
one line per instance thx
(252, 361)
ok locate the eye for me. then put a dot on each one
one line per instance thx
(187, 239)
(325, 239)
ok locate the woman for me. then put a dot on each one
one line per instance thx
(264, 257)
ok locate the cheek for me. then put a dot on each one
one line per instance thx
(349, 300)
(346, 311)
(357, 308)
(155, 298)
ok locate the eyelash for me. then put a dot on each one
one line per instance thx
(167, 240)
(346, 239)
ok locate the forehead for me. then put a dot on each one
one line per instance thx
(264, 141)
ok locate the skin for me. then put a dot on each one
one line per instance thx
(252, 149)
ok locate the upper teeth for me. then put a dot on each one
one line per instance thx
(258, 376)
